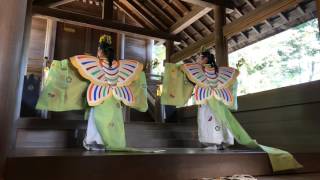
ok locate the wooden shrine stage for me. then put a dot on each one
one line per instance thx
(180, 164)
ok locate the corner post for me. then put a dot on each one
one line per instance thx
(221, 44)
(15, 18)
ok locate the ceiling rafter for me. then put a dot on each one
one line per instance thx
(205, 26)
(141, 8)
(238, 11)
(165, 5)
(212, 3)
(135, 14)
(157, 8)
(254, 17)
(184, 10)
(253, 7)
(98, 23)
(261, 13)
(195, 14)
(51, 3)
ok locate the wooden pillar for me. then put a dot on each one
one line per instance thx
(107, 12)
(51, 32)
(220, 41)
(318, 12)
(169, 50)
(149, 59)
(121, 37)
(13, 31)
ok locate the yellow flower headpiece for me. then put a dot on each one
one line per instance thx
(105, 39)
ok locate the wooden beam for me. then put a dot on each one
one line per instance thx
(51, 3)
(156, 8)
(182, 8)
(143, 10)
(133, 13)
(220, 40)
(107, 11)
(97, 23)
(258, 15)
(254, 17)
(212, 3)
(318, 12)
(194, 48)
(195, 14)
(169, 50)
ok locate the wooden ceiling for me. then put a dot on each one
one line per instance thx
(194, 23)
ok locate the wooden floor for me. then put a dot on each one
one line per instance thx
(172, 164)
(315, 176)
(30, 152)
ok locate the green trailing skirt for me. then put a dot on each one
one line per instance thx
(176, 92)
(109, 122)
(280, 160)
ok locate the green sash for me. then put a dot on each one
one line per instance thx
(174, 88)
(280, 160)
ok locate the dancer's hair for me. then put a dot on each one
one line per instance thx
(105, 45)
(211, 60)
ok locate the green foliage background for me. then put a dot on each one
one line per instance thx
(289, 58)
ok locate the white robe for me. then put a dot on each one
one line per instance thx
(211, 130)
(93, 137)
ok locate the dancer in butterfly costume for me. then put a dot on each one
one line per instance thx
(211, 82)
(213, 89)
(111, 82)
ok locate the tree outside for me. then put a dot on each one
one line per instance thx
(158, 57)
(288, 58)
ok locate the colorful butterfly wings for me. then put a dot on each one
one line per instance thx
(225, 77)
(224, 95)
(210, 83)
(96, 94)
(202, 94)
(128, 71)
(107, 81)
(124, 94)
(196, 74)
(89, 68)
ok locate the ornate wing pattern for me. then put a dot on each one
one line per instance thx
(89, 68)
(210, 83)
(128, 71)
(107, 80)
(196, 74)
(96, 94)
(224, 78)
(201, 94)
(224, 95)
(124, 94)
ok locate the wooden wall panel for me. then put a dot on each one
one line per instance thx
(36, 45)
(136, 49)
(292, 95)
(287, 118)
(294, 128)
(40, 133)
(70, 40)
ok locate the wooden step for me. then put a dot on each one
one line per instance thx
(308, 176)
(42, 133)
(173, 164)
